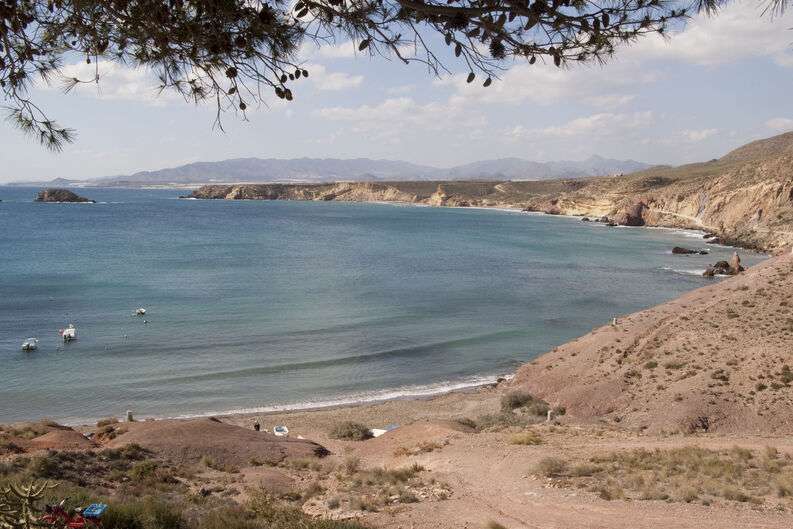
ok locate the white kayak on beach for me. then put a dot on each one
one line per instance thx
(281, 431)
(31, 344)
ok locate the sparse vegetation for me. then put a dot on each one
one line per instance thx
(351, 431)
(421, 448)
(526, 438)
(551, 467)
(520, 400)
(683, 474)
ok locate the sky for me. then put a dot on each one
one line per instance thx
(716, 84)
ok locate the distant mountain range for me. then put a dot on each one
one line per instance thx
(308, 170)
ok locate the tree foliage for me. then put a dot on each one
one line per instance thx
(233, 52)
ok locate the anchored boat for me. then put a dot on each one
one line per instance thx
(31, 344)
(69, 333)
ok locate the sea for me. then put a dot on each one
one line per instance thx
(254, 306)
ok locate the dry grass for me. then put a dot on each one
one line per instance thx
(351, 431)
(528, 437)
(423, 447)
(682, 475)
(520, 400)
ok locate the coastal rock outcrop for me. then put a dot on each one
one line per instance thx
(726, 268)
(744, 198)
(679, 250)
(60, 195)
(631, 215)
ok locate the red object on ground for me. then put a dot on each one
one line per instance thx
(57, 515)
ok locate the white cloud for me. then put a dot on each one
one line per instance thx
(546, 85)
(601, 124)
(780, 124)
(609, 101)
(388, 120)
(698, 135)
(737, 32)
(332, 81)
(337, 50)
(401, 89)
(116, 82)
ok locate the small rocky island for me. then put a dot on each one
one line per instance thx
(60, 195)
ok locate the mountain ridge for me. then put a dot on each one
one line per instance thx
(324, 170)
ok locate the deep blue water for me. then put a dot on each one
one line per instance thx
(255, 304)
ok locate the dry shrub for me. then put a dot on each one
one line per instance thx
(351, 431)
(529, 438)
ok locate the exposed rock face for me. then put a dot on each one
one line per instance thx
(60, 195)
(745, 198)
(632, 215)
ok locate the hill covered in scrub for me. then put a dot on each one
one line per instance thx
(719, 358)
(746, 197)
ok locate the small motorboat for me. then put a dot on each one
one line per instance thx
(69, 333)
(31, 344)
(140, 312)
(281, 431)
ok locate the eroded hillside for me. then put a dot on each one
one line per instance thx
(746, 197)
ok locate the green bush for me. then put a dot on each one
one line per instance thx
(143, 514)
(45, 466)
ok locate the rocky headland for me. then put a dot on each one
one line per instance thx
(744, 198)
(60, 195)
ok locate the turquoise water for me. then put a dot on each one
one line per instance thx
(255, 305)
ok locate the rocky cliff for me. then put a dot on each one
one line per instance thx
(746, 197)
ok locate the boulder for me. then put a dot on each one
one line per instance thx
(60, 195)
(724, 268)
(585, 219)
(679, 250)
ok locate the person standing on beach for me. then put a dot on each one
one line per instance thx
(256, 425)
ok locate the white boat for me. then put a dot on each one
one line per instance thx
(69, 333)
(281, 431)
(140, 312)
(31, 344)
